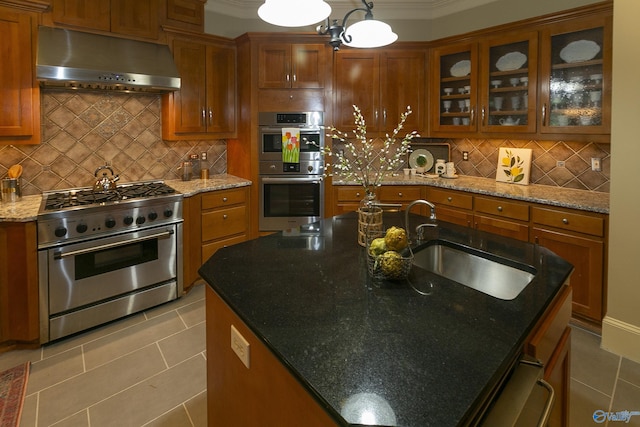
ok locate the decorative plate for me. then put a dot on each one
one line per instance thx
(413, 159)
(511, 61)
(461, 68)
(581, 50)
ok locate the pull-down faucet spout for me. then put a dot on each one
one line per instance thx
(420, 228)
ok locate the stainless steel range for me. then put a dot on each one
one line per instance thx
(104, 254)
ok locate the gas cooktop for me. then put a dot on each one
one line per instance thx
(54, 201)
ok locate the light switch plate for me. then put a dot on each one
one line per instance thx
(240, 346)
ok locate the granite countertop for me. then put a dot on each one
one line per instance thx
(415, 360)
(592, 201)
(26, 209)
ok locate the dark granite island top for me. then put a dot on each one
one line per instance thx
(412, 360)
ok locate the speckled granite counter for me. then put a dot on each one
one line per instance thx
(215, 182)
(26, 209)
(416, 360)
(592, 201)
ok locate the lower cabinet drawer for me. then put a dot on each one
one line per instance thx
(224, 222)
(393, 193)
(502, 208)
(349, 194)
(450, 198)
(218, 199)
(587, 224)
(209, 249)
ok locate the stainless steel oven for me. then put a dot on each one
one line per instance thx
(291, 192)
(105, 255)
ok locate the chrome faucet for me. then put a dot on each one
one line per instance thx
(432, 217)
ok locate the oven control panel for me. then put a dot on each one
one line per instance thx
(76, 225)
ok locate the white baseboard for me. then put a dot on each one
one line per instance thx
(621, 338)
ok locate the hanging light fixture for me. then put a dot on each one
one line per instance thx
(368, 33)
(294, 13)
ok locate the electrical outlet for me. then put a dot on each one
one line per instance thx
(560, 163)
(596, 164)
(203, 155)
(465, 155)
(240, 346)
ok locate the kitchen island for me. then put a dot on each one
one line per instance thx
(354, 351)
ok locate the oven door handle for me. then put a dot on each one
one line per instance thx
(60, 255)
(288, 180)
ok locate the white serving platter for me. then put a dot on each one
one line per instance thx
(461, 68)
(511, 61)
(580, 50)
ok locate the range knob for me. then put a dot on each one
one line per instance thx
(140, 220)
(60, 231)
(152, 216)
(128, 220)
(81, 228)
(168, 212)
(110, 223)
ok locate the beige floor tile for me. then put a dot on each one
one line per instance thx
(96, 333)
(592, 365)
(630, 371)
(193, 313)
(584, 402)
(197, 409)
(29, 411)
(81, 419)
(196, 293)
(55, 369)
(16, 357)
(626, 398)
(79, 392)
(107, 348)
(157, 395)
(177, 417)
(184, 344)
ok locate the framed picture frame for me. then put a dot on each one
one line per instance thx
(514, 165)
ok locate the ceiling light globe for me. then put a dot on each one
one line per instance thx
(294, 13)
(369, 33)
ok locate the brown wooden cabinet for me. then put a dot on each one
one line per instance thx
(205, 105)
(291, 65)
(348, 197)
(138, 18)
(188, 14)
(213, 220)
(578, 237)
(18, 283)
(550, 343)
(19, 92)
(382, 83)
(504, 217)
(452, 206)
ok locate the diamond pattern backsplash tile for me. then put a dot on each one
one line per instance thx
(545, 168)
(85, 130)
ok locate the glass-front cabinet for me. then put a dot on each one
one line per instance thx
(508, 82)
(576, 95)
(454, 88)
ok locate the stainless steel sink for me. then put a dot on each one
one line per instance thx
(492, 276)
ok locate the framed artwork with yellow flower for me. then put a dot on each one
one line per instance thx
(514, 165)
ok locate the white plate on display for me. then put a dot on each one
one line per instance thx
(413, 159)
(581, 50)
(461, 68)
(511, 61)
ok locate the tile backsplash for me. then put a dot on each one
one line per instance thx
(84, 130)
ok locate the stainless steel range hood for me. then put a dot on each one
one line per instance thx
(79, 60)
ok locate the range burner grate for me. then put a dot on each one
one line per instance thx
(86, 197)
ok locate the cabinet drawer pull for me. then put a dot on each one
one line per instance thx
(565, 221)
(499, 208)
(358, 194)
(449, 199)
(224, 199)
(224, 216)
(400, 194)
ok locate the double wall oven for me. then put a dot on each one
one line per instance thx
(105, 255)
(291, 192)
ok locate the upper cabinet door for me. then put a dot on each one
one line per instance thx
(402, 84)
(138, 18)
(19, 95)
(307, 65)
(221, 89)
(94, 14)
(454, 88)
(274, 69)
(190, 103)
(285, 66)
(576, 67)
(508, 83)
(357, 82)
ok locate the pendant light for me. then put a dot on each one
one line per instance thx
(368, 33)
(294, 13)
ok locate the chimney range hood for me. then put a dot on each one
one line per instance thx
(78, 60)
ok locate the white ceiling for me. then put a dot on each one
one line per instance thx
(387, 9)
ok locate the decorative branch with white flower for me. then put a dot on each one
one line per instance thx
(361, 159)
